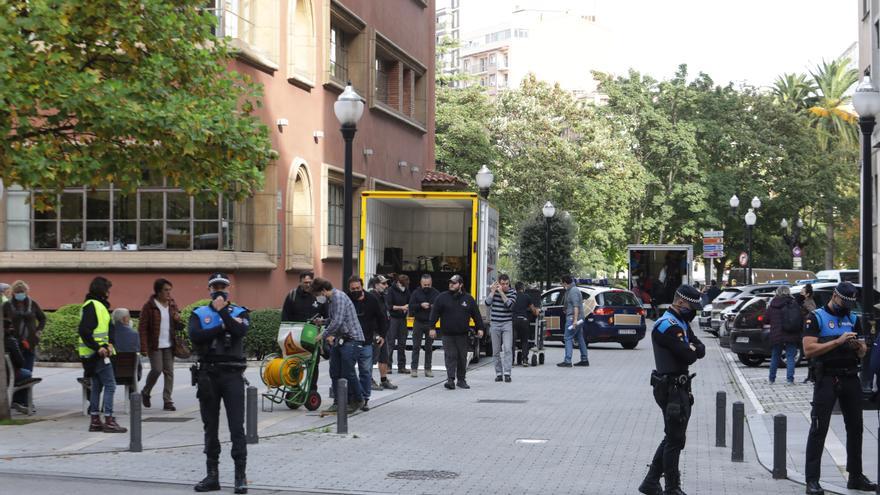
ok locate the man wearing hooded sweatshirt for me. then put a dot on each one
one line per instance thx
(94, 351)
(420, 308)
(455, 308)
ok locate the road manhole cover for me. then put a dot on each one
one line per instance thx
(166, 420)
(501, 401)
(416, 475)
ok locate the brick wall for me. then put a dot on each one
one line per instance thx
(393, 84)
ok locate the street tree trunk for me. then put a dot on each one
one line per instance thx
(4, 395)
(829, 239)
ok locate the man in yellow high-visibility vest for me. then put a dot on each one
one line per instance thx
(95, 350)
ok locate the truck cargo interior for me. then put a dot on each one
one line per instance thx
(657, 273)
(414, 236)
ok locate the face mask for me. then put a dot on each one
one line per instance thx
(426, 290)
(20, 296)
(839, 309)
(220, 293)
(687, 314)
(356, 294)
(321, 299)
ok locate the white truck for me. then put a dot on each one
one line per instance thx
(441, 233)
(656, 270)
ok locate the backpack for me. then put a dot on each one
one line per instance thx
(792, 318)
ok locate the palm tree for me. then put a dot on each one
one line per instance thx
(794, 91)
(832, 112)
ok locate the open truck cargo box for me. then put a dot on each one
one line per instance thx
(656, 270)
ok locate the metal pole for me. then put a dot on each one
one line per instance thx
(251, 435)
(779, 447)
(721, 419)
(342, 406)
(739, 416)
(348, 131)
(134, 429)
(749, 266)
(547, 251)
(866, 124)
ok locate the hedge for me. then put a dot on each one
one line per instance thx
(59, 340)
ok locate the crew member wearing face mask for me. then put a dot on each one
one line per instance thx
(675, 348)
(420, 308)
(217, 331)
(830, 341)
(300, 305)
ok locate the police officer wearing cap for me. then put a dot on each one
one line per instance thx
(675, 348)
(830, 341)
(217, 331)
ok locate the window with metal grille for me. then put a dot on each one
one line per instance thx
(335, 214)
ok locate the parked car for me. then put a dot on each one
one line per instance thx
(611, 315)
(839, 275)
(731, 296)
(705, 320)
(727, 317)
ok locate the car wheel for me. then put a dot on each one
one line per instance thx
(629, 345)
(751, 361)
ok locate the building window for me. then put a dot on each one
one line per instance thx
(400, 84)
(301, 42)
(491, 79)
(18, 219)
(521, 33)
(467, 64)
(154, 218)
(338, 55)
(255, 23)
(346, 52)
(385, 69)
(335, 214)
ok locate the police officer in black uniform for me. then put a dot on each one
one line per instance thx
(675, 348)
(830, 341)
(217, 331)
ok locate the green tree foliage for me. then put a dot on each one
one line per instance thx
(532, 259)
(108, 90)
(463, 141)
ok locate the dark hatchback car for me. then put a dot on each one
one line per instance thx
(750, 335)
(611, 315)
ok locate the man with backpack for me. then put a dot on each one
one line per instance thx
(786, 322)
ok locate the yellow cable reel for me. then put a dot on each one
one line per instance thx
(287, 371)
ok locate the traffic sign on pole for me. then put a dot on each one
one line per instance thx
(797, 252)
(713, 254)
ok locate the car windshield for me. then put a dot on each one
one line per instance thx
(849, 277)
(619, 299)
(727, 294)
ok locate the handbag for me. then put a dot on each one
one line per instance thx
(181, 350)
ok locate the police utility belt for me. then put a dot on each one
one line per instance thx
(671, 379)
(819, 370)
(203, 368)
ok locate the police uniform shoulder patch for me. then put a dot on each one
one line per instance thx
(830, 324)
(207, 319)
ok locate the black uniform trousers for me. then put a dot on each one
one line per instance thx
(396, 340)
(521, 330)
(218, 383)
(674, 402)
(455, 349)
(848, 390)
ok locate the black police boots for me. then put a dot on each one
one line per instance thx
(211, 483)
(240, 478)
(814, 488)
(651, 484)
(860, 482)
(673, 484)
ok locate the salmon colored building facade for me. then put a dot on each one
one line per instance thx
(303, 52)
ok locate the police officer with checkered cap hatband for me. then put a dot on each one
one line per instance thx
(830, 341)
(217, 331)
(675, 348)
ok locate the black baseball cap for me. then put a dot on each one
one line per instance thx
(218, 278)
(689, 294)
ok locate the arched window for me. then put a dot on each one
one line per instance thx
(301, 42)
(299, 217)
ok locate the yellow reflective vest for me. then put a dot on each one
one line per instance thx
(101, 333)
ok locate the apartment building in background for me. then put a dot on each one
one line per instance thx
(303, 52)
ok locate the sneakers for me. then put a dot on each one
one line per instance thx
(145, 400)
(110, 425)
(414, 373)
(450, 384)
(860, 482)
(585, 362)
(507, 378)
(386, 384)
(27, 381)
(354, 406)
(525, 364)
(403, 371)
(463, 384)
(375, 386)
(429, 373)
(169, 406)
(366, 406)
(499, 378)
(564, 365)
(20, 407)
(96, 424)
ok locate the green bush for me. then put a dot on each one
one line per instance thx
(261, 337)
(60, 337)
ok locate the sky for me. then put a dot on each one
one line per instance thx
(749, 41)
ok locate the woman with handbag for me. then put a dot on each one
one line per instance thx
(158, 324)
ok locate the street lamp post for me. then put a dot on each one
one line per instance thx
(793, 240)
(484, 179)
(349, 108)
(548, 210)
(751, 218)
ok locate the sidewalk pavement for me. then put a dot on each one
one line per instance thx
(764, 400)
(552, 430)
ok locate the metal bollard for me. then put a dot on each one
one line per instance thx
(739, 417)
(779, 447)
(721, 419)
(342, 406)
(134, 429)
(251, 417)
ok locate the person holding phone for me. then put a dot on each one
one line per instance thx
(830, 341)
